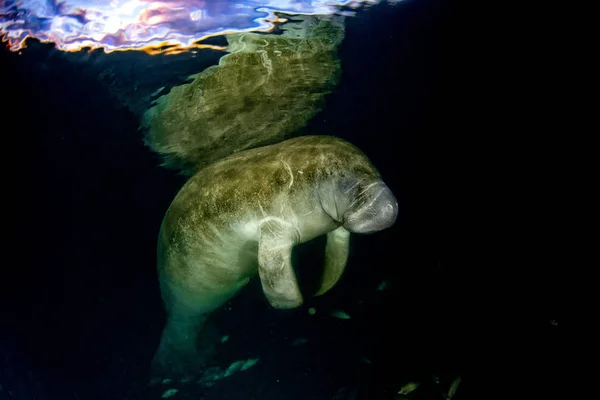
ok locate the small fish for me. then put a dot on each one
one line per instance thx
(169, 392)
(211, 374)
(453, 388)
(251, 362)
(312, 311)
(224, 338)
(240, 365)
(157, 91)
(236, 366)
(408, 388)
(383, 285)
(339, 314)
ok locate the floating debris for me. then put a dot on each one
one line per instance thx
(312, 311)
(408, 388)
(383, 285)
(453, 388)
(339, 314)
(169, 392)
(224, 338)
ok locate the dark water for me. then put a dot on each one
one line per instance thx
(80, 309)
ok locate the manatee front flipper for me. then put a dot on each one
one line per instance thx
(275, 264)
(336, 255)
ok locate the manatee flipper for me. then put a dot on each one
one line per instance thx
(336, 256)
(275, 269)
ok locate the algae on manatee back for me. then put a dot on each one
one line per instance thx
(262, 92)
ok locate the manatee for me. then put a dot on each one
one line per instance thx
(262, 92)
(241, 216)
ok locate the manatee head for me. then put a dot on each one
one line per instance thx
(361, 204)
(371, 207)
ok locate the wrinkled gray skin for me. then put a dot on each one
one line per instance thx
(242, 215)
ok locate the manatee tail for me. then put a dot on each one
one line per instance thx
(262, 92)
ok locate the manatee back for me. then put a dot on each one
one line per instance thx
(241, 181)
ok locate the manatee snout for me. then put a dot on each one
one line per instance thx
(377, 213)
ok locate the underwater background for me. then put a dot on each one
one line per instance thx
(81, 314)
